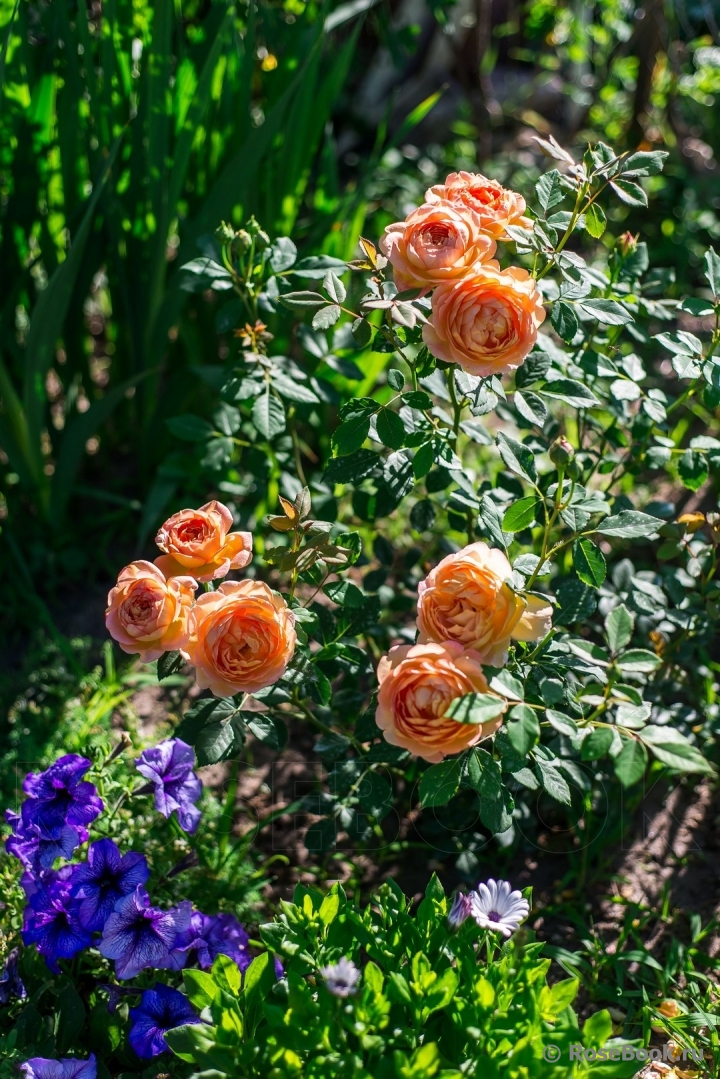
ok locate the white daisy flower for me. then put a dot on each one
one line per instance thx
(342, 977)
(496, 906)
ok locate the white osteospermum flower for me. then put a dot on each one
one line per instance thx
(496, 906)
(342, 977)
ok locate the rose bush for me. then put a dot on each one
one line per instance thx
(499, 473)
(448, 507)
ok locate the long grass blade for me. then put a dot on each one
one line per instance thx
(49, 315)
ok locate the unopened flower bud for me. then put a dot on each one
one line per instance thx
(242, 241)
(628, 243)
(262, 240)
(224, 232)
(574, 469)
(561, 453)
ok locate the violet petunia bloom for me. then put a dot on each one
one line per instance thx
(52, 923)
(106, 877)
(161, 1009)
(11, 984)
(137, 935)
(59, 795)
(41, 1068)
(37, 847)
(209, 936)
(169, 767)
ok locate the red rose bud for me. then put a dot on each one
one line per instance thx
(628, 244)
(561, 453)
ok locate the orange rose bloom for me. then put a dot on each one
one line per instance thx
(243, 640)
(149, 614)
(200, 543)
(494, 205)
(417, 685)
(465, 599)
(486, 322)
(435, 244)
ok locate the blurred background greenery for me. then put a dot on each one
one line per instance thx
(129, 128)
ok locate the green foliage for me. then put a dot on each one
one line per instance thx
(424, 1005)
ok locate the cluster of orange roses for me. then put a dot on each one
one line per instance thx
(467, 615)
(483, 318)
(240, 637)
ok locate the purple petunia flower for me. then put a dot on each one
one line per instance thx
(137, 935)
(161, 1009)
(106, 877)
(41, 1068)
(37, 847)
(10, 981)
(209, 936)
(52, 922)
(59, 795)
(169, 767)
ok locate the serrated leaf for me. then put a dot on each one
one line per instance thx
(326, 317)
(521, 514)
(607, 312)
(302, 299)
(629, 524)
(354, 429)
(597, 744)
(628, 192)
(523, 729)
(638, 661)
(490, 519)
(549, 190)
(553, 782)
(589, 562)
(283, 254)
(268, 415)
(712, 271)
(169, 663)
(631, 762)
(518, 458)
(531, 407)
(564, 320)
(333, 286)
(475, 708)
(673, 749)
(571, 391)
(440, 782)
(351, 468)
(390, 429)
(693, 469)
(595, 221)
(619, 625)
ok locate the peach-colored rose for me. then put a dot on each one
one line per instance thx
(495, 206)
(435, 244)
(148, 613)
(486, 322)
(200, 543)
(417, 684)
(465, 599)
(243, 640)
